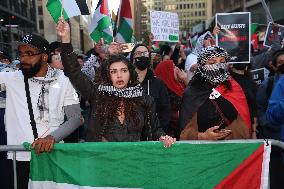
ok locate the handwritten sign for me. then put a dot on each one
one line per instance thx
(164, 26)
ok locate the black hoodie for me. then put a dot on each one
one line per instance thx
(156, 88)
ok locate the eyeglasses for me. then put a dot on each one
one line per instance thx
(56, 57)
(28, 54)
(139, 53)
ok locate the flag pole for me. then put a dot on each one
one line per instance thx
(61, 13)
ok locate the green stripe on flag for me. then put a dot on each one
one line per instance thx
(54, 8)
(253, 28)
(125, 30)
(99, 33)
(145, 165)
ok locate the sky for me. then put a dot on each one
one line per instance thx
(112, 4)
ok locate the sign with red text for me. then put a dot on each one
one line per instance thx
(235, 35)
(164, 26)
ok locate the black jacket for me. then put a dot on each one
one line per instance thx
(156, 88)
(148, 128)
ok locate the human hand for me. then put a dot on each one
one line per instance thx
(63, 30)
(214, 134)
(123, 47)
(193, 67)
(151, 36)
(275, 28)
(216, 30)
(167, 140)
(182, 76)
(113, 49)
(44, 144)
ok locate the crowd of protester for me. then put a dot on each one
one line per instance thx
(113, 93)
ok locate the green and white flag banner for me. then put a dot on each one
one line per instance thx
(148, 165)
(71, 8)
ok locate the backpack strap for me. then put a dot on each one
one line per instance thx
(30, 107)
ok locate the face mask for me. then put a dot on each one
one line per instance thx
(31, 71)
(215, 73)
(281, 69)
(142, 62)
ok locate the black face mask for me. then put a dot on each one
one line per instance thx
(281, 69)
(142, 62)
(31, 71)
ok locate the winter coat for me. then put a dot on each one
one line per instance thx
(148, 127)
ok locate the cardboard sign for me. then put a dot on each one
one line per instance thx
(270, 35)
(164, 26)
(235, 35)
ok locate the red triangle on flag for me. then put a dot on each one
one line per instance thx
(247, 174)
(125, 9)
(104, 7)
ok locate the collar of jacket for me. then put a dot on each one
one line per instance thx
(149, 76)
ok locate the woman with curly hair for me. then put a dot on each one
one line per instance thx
(120, 111)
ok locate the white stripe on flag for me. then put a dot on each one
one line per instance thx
(119, 38)
(71, 8)
(265, 166)
(97, 16)
(54, 185)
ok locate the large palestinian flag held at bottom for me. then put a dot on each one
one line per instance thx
(148, 165)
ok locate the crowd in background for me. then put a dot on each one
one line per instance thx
(174, 93)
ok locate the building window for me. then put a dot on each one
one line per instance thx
(24, 9)
(3, 3)
(188, 5)
(180, 6)
(40, 12)
(41, 24)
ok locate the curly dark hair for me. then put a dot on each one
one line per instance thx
(108, 107)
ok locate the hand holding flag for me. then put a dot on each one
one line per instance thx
(63, 30)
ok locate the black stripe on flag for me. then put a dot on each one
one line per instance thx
(83, 7)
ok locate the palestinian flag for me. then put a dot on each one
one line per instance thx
(125, 27)
(148, 165)
(71, 8)
(194, 39)
(101, 23)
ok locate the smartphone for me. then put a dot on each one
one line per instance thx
(221, 125)
(129, 48)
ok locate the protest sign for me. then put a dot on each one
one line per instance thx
(235, 35)
(258, 75)
(164, 26)
(271, 34)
